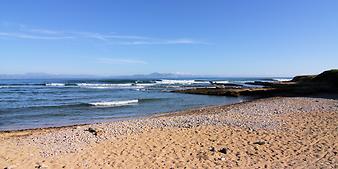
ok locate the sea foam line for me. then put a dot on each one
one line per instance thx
(186, 82)
(114, 103)
(283, 79)
(55, 84)
(109, 86)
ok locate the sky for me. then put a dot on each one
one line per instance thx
(123, 37)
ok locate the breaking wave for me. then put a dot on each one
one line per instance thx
(184, 82)
(55, 84)
(283, 79)
(114, 103)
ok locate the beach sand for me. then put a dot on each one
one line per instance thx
(280, 132)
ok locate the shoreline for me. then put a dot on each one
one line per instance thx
(155, 115)
(262, 132)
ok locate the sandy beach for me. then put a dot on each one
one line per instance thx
(168, 84)
(280, 132)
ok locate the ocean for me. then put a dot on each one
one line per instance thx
(36, 103)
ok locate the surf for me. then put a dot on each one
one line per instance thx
(114, 103)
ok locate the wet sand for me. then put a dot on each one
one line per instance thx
(282, 132)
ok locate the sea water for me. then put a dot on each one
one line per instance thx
(35, 103)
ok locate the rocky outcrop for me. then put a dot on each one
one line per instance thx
(329, 77)
(326, 82)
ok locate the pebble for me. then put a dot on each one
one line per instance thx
(223, 150)
(260, 113)
(10, 167)
(212, 149)
(259, 142)
(41, 166)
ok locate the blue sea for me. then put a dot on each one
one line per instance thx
(36, 103)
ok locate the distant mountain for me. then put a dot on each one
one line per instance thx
(155, 75)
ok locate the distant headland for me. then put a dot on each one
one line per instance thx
(325, 82)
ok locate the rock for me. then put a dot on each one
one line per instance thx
(221, 158)
(223, 150)
(259, 142)
(41, 166)
(94, 131)
(329, 77)
(303, 78)
(10, 167)
(212, 149)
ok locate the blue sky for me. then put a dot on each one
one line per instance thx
(220, 37)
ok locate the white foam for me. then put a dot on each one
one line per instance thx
(55, 84)
(283, 79)
(108, 86)
(102, 84)
(185, 82)
(220, 81)
(98, 87)
(114, 103)
(145, 84)
(243, 81)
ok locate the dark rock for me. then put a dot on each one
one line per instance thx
(303, 78)
(259, 142)
(225, 85)
(329, 77)
(10, 167)
(326, 82)
(94, 131)
(260, 83)
(326, 79)
(41, 166)
(223, 150)
(212, 149)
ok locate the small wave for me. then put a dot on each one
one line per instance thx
(98, 87)
(84, 105)
(114, 103)
(184, 82)
(56, 84)
(283, 79)
(220, 81)
(243, 81)
(102, 84)
(18, 85)
(145, 84)
(108, 86)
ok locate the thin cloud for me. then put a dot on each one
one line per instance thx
(25, 32)
(107, 37)
(90, 35)
(29, 36)
(162, 42)
(184, 41)
(45, 31)
(120, 61)
(135, 40)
